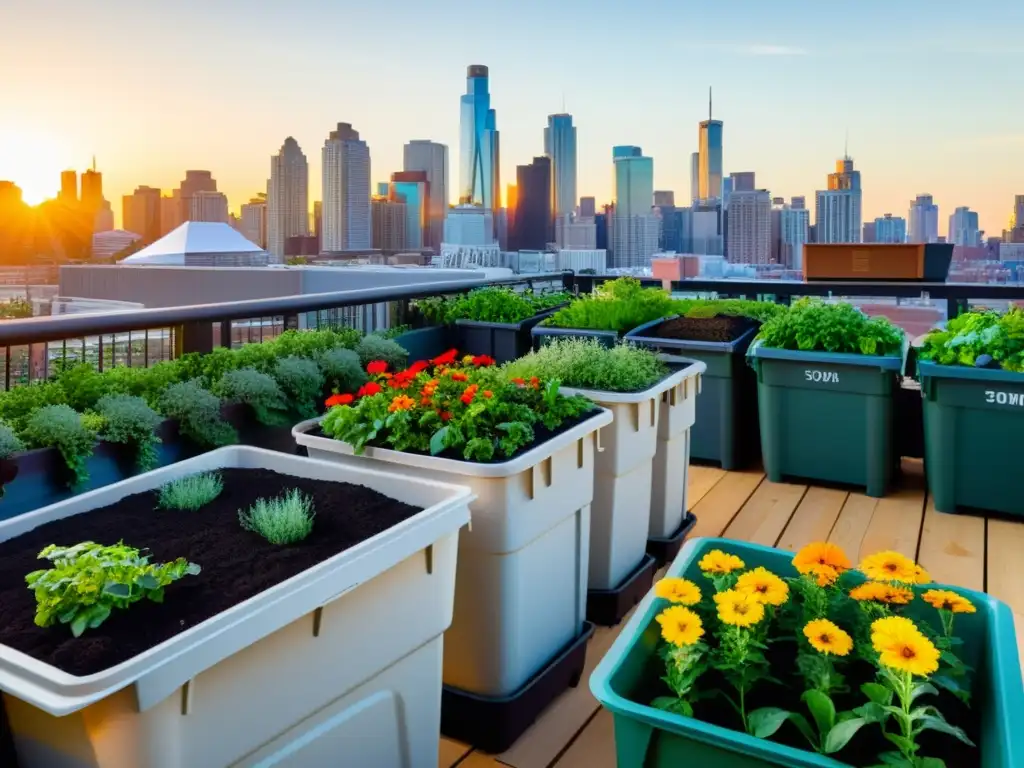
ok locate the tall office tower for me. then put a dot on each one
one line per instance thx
(963, 228)
(889, 229)
(92, 189)
(743, 181)
(287, 197)
(923, 221)
(798, 202)
(790, 230)
(750, 227)
(837, 215)
(347, 222)
(389, 219)
(1015, 231)
(664, 199)
(170, 212)
(479, 175)
(533, 223)
(560, 147)
(68, 187)
(431, 158)
(575, 233)
(709, 173)
(511, 204)
(588, 208)
(208, 206)
(254, 224)
(413, 189)
(193, 183)
(694, 177)
(634, 227)
(140, 213)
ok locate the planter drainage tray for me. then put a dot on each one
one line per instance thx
(607, 607)
(494, 723)
(665, 550)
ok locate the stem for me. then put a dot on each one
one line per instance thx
(905, 681)
(743, 708)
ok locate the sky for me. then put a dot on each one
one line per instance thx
(928, 93)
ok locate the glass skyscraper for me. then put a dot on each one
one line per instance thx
(479, 182)
(709, 174)
(634, 231)
(560, 146)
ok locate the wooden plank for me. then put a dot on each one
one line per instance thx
(480, 760)
(594, 747)
(717, 509)
(699, 481)
(953, 548)
(868, 525)
(1005, 574)
(853, 523)
(765, 515)
(814, 518)
(451, 752)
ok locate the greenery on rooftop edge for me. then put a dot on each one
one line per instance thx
(493, 304)
(969, 336)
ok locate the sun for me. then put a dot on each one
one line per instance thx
(33, 161)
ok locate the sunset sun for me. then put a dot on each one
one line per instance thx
(33, 162)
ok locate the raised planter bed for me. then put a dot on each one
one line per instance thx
(827, 416)
(628, 677)
(270, 655)
(520, 593)
(646, 423)
(502, 341)
(971, 416)
(726, 426)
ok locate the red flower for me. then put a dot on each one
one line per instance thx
(519, 382)
(447, 358)
(334, 400)
(482, 360)
(535, 382)
(445, 416)
(376, 367)
(488, 394)
(369, 388)
(469, 394)
(418, 366)
(459, 376)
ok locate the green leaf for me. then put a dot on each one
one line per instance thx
(79, 625)
(117, 590)
(437, 441)
(98, 615)
(922, 689)
(871, 712)
(950, 684)
(904, 744)
(822, 709)
(841, 734)
(930, 762)
(764, 722)
(893, 758)
(932, 723)
(805, 728)
(878, 693)
(674, 705)
(146, 581)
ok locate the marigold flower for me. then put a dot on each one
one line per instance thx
(519, 382)
(824, 575)
(467, 359)
(481, 361)
(902, 646)
(447, 358)
(944, 600)
(401, 403)
(681, 591)
(821, 553)
(891, 567)
(717, 561)
(334, 400)
(921, 576)
(764, 586)
(535, 382)
(680, 626)
(418, 367)
(376, 367)
(737, 609)
(459, 376)
(445, 416)
(885, 629)
(825, 637)
(368, 389)
(879, 592)
(469, 394)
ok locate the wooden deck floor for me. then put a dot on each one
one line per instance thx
(972, 552)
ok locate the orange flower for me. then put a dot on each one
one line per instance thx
(535, 382)
(459, 376)
(334, 400)
(418, 366)
(469, 394)
(376, 367)
(519, 382)
(822, 560)
(488, 394)
(401, 403)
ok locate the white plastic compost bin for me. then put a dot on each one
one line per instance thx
(621, 513)
(521, 589)
(339, 665)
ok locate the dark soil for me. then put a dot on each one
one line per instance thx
(721, 328)
(236, 564)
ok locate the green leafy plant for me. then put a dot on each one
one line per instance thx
(83, 385)
(702, 308)
(10, 443)
(372, 348)
(493, 304)
(147, 383)
(617, 305)
(969, 336)
(88, 581)
(15, 308)
(128, 420)
(588, 364)
(392, 332)
(257, 390)
(191, 492)
(197, 412)
(19, 403)
(287, 519)
(813, 325)
(61, 427)
(342, 370)
(302, 384)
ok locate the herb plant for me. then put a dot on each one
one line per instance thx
(17, 404)
(82, 384)
(61, 427)
(342, 370)
(588, 364)
(88, 580)
(191, 492)
(197, 411)
(812, 325)
(130, 421)
(287, 519)
(302, 384)
(493, 304)
(257, 390)
(969, 337)
(617, 305)
(376, 348)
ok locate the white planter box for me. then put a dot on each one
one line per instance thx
(520, 594)
(339, 665)
(622, 509)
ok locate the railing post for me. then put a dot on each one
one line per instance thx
(291, 322)
(193, 337)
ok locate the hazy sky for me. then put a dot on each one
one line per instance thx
(929, 92)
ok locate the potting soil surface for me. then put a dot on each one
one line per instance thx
(236, 564)
(721, 328)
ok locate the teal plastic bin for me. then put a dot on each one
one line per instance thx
(973, 419)
(827, 416)
(646, 737)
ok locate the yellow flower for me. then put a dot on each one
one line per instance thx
(763, 586)
(681, 591)
(885, 631)
(825, 575)
(921, 576)
(822, 553)
(827, 638)
(467, 359)
(879, 592)
(891, 567)
(737, 609)
(909, 651)
(680, 626)
(717, 561)
(944, 600)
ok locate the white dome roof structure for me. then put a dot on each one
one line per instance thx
(201, 244)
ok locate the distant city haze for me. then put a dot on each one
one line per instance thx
(926, 92)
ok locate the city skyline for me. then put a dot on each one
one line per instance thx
(778, 119)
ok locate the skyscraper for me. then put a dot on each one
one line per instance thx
(287, 197)
(431, 158)
(694, 176)
(923, 221)
(709, 178)
(533, 222)
(560, 147)
(140, 213)
(412, 189)
(750, 227)
(664, 198)
(68, 187)
(254, 220)
(963, 228)
(208, 206)
(479, 176)
(790, 230)
(743, 181)
(837, 215)
(92, 189)
(588, 207)
(634, 228)
(347, 224)
(890, 229)
(389, 218)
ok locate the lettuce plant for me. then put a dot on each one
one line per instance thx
(972, 335)
(617, 305)
(812, 325)
(130, 421)
(61, 427)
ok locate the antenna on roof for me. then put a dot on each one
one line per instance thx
(846, 145)
(94, 163)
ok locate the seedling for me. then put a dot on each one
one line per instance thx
(192, 492)
(287, 519)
